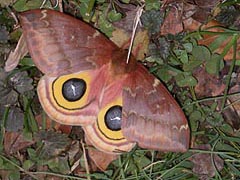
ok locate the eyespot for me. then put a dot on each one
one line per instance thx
(73, 89)
(113, 118)
(106, 133)
(109, 121)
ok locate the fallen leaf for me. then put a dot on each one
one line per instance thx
(16, 55)
(54, 143)
(100, 159)
(141, 41)
(232, 113)
(121, 36)
(14, 120)
(208, 85)
(207, 40)
(21, 82)
(203, 164)
(204, 9)
(173, 22)
(14, 142)
(49, 124)
(4, 35)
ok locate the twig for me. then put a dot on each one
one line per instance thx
(85, 160)
(135, 25)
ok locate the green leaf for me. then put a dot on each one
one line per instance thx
(27, 62)
(194, 125)
(59, 164)
(105, 26)
(217, 42)
(226, 128)
(86, 9)
(185, 80)
(13, 175)
(194, 119)
(20, 5)
(237, 63)
(188, 106)
(191, 65)
(221, 146)
(215, 64)
(152, 4)
(195, 116)
(32, 154)
(152, 20)
(126, 1)
(28, 164)
(214, 106)
(182, 55)
(100, 176)
(1, 162)
(114, 16)
(215, 119)
(164, 75)
(233, 169)
(188, 47)
(24, 5)
(30, 124)
(141, 161)
(201, 53)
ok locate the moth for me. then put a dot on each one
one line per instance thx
(88, 83)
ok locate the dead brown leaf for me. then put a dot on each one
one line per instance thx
(203, 165)
(208, 85)
(173, 22)
(121, 36)
(14, 141)
(16, 55)
(66, 129)
(140, 46)
(232, 114)
(192, 25)
(100, 159)
(192, 15)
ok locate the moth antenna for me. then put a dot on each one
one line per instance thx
(135, 25)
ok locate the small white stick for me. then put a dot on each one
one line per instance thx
(85, 160)
(135, 25)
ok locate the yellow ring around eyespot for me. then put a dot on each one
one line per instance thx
(108, 133)
(57, 91)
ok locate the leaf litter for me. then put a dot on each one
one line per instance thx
(185, 44)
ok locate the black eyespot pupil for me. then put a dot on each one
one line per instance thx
(73, 89)
(113, 118)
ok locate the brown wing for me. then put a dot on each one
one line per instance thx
(60, 44)
(151, 116)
